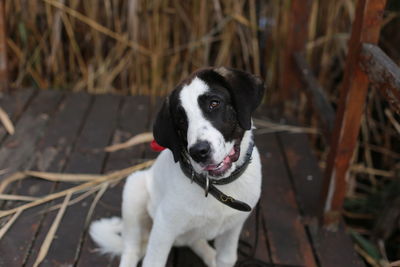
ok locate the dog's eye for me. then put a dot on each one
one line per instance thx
(213, 104)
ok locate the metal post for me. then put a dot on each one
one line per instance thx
(353, 92)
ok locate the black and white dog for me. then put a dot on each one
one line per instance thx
(206, 125)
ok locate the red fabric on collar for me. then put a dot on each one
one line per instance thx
(156, 147)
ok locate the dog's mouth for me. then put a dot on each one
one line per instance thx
(220, 168)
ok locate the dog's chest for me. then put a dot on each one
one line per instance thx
(206, 227)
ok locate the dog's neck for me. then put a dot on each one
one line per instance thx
(208, 183)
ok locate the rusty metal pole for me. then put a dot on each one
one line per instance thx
(3, 49)
(297, 34)
(365, 29)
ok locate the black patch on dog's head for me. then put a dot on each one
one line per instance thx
(165, 130)
(223, 117)
(246, 90)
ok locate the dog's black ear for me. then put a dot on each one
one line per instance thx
(164, 131)
(246, 90)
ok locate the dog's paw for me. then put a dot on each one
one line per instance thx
(210, 259)
(213, 263)
(129, 259)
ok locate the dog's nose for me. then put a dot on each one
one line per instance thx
(200, 151)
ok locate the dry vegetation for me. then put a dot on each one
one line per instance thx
(146, 47)
(130, 47)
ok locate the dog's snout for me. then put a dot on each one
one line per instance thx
(200, 151)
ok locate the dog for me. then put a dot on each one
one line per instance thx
(203, 186)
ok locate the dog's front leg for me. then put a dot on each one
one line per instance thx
(162, 237)
(226, 246)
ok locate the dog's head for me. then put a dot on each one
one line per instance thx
(209, 116)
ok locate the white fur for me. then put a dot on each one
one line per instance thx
(162, 208)
(106, 233)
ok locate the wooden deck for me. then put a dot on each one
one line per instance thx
(59, 132)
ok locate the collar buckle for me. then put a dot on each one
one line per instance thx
(206, 188)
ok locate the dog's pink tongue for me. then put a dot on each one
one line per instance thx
(227, 159)
(221, 166)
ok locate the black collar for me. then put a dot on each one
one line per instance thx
(208, 184)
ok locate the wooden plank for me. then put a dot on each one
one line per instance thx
(334, 248)
(304, 171)
(287, 237)
(132, 120)
(87, 157)
(18, 150)
(253, 244)
(307, 180)
(323, 108)
(96, 134)
(383, 73)
(297, 34)
(3, 48)
(51, 155)
(353, 91)
(14, 104)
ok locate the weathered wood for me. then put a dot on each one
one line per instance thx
(297, 34)
(3, 48)
(383, 73)
(51, 155)
(307, 180)
(87, 157)
(132, 120)
(96, 134)
(14, 104)
(334, 249)
(288, 240)
(323, 108)
(304, 171)
(353, 91)
(18, 149)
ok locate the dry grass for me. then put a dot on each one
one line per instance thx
(5, 120)
(91, 181)
(146, 47)
(98, 46)
(135, 140)
(52, 231)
